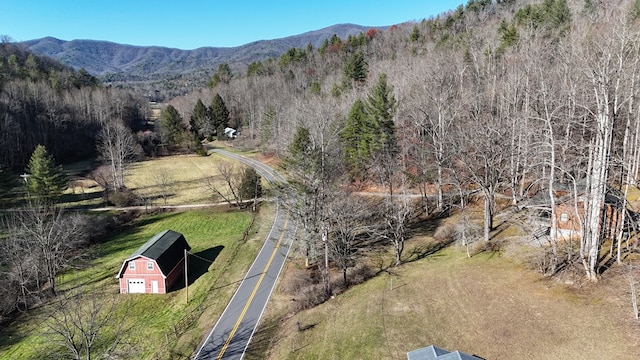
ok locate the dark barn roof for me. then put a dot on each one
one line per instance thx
(166, 248)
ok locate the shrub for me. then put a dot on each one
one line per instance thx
(360, 274)
(444, 233)
(550, 262)
(495, 245)
(122, 198)
(306, 288)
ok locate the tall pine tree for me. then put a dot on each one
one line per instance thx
(356, 70)
(302, 155)
(380, 107)
(171, 127)
(357, 138)
(250, 185)
(219, 114)
(46, 180)
(200, 121)
(369, 131)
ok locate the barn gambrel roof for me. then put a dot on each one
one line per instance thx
(165, 248)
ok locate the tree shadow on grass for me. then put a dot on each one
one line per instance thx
(72, 198)
(422, 251)
(198, 265)
(426, 226)
(8, 334)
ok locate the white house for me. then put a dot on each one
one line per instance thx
(231, 133)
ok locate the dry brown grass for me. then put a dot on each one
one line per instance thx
(487, 305)
(185, 177)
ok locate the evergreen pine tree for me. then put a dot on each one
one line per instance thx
(268, 125)
(220, 131)
(356, 69)
(415, 34)
(171, 127)
(223, 75)
(634, 12)
(219, 113)
(199, 120)
(357, 137)
(46, 180)
(380, 107)
(302, 155)
(250, 185)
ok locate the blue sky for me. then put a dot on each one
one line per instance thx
(189, 24)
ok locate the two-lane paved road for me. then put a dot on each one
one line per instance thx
(231, 335)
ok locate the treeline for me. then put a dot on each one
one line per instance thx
(45, 103)
(500, 97)
(52, 115)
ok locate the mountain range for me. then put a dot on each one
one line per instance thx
(112, 61)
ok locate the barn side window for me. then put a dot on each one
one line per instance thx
(564, 217)
(149, 265)
(132, 265)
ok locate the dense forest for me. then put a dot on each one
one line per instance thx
(52, 115)
(507, 99)
(43, 102)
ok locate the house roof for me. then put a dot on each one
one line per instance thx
(564, 193)
(166, 248)
(435, 353)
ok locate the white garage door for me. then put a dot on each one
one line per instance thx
(136, 286)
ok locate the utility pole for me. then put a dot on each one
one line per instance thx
(186, 278)
(25, 177)
(326, 262)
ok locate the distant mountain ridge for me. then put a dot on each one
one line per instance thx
(103, 58)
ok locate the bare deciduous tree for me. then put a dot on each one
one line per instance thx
(54, 236)
(231, 175)
(164, 183)
(608, 63)
(117, 145)
(350, 224)
(88, 325)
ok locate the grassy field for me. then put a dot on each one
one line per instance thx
(170, 180)
(216, 236)
(181, 179)
(486, 305)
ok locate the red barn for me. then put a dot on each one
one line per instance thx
(155, 266)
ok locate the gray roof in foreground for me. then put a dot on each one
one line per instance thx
(435, 353)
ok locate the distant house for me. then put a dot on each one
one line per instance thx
(433, 352)
(155, 266)
(231, 133)
(569, 220)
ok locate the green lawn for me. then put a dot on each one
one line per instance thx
(212, 235)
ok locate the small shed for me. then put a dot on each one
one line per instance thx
(155, 266)
(435, 353)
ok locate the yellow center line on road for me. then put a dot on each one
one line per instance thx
(253, 293)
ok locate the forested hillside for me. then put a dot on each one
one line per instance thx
(505, 97)
(161, 72)
(43, 102)
(50, 115)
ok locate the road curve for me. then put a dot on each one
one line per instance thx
(232, 334)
